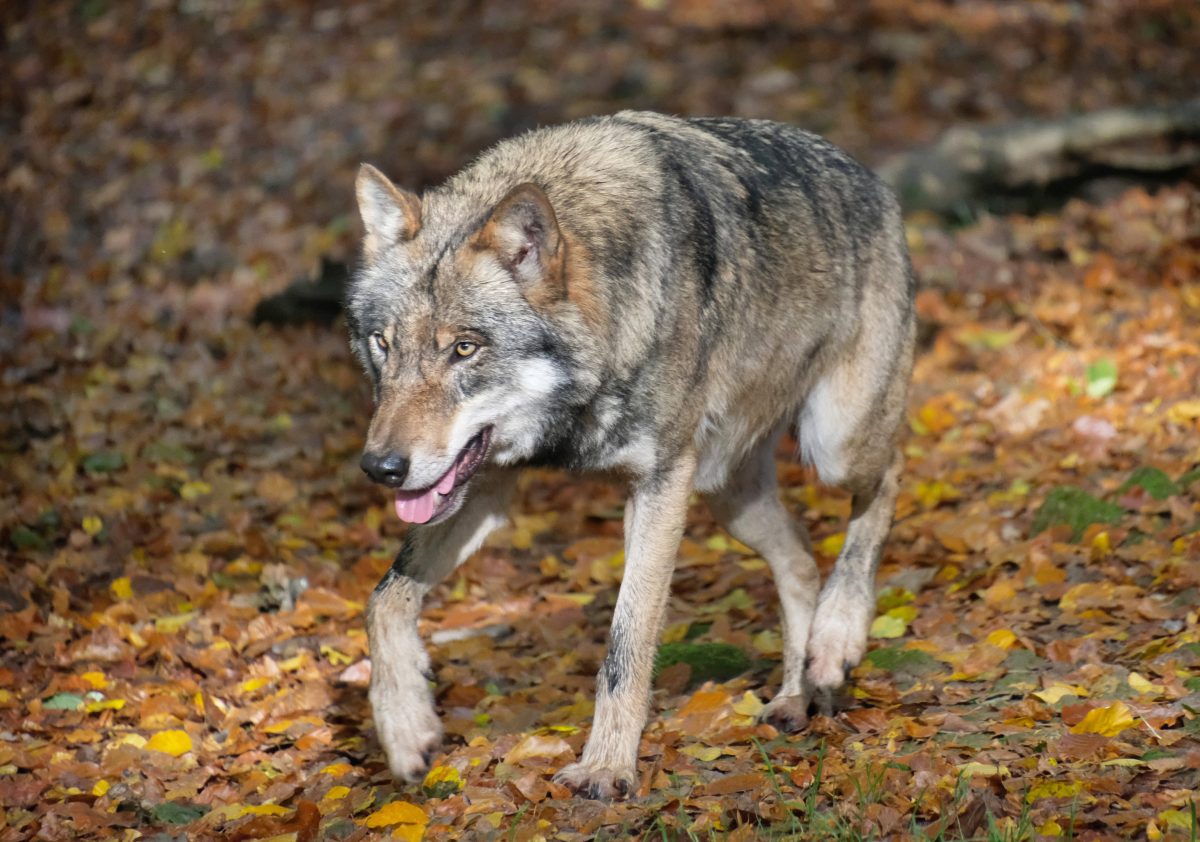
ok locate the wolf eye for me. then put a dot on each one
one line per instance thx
(462, 350)
(380, 342)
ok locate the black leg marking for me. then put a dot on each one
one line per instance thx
(616, 662)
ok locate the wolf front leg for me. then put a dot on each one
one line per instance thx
(402, 702)
(654, 521)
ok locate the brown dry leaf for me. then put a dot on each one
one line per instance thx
(275, 488)
(540, 747)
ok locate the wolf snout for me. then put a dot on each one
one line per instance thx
(388, 469)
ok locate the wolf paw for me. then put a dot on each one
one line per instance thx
(407, 726)
(787, 713)
(838, 639)
(599, 782)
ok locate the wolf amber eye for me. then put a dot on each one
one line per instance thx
(463, 350)
(380, 342)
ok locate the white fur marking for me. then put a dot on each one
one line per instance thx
(823, 431)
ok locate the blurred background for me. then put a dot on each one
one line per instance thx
(212, 143)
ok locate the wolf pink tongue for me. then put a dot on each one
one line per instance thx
(418, 506)
(418, 509)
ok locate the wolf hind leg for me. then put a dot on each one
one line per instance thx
(748, 506)
(847, 603)
(406, 722)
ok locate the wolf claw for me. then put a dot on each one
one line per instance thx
(787, 714)
(598, 783)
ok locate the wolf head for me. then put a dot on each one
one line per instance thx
(449, 318)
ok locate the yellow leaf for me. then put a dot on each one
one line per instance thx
(336, 770)
(100, 787)
(1054, 693)
(252, 684)
(458, 592)
(260, 810)
(832, 545)
(173, 742)
(705, 753)
(174, 622)
(397, 812)
(1141, 685)
(135, 740)
(121, 588)
(887, 627)
(440, 775)
(930, 493)
(294, 663)
(335, 793)
(987, 770)
(1101, 546)
(550, 566)
(1000, 593)
(1106, 721)
(1178, 819)
(768, 642)
(579, 598)
(748, 705)
(96, 679)
(195, 489)
(104, 704)
(1184, 411)
(1152, 832)
(676, 633)
(409, 832)
(1051, 828)
(907, 613)
(1002, 638)
(92, 525)
(1054, 789)
(338, 659)
(522, 539)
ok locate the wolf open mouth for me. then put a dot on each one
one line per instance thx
(423, 505)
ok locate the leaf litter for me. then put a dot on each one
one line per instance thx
(189, 547)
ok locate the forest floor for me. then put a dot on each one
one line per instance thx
(188, 542)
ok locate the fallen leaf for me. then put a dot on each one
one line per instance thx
(1106, 721)
(173, 742)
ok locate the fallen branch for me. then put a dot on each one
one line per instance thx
(971, 166)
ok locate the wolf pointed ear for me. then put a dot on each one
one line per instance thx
(523, 233)
(389, 214)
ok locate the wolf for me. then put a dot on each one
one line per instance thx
(654, 298)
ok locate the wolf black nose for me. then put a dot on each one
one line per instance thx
(389, 469)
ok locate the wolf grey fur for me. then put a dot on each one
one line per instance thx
(660, 298)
